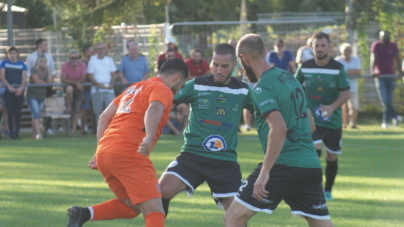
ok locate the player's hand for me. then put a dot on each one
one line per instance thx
(326, 111)
(259, 191)
(92, 164)
(146, 146)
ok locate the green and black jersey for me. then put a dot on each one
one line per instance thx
(278, 90)
(323, 86)
(215, 112)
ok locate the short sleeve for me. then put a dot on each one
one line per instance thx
(63, 72)
(117, 100)
(265, 100)
(358, 64)
(24, 66)
(113, 67)
(2, 64)
(161, 94)
(299, 75)
(289, 55)
(185, 94)
(343, 82)
(90, 68)
(121, 66)
(373, 48)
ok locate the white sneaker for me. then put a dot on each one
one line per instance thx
(397, 120)
(385, 125)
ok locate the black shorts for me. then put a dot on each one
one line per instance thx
(332, 138)
(223, 177)
(301, 189)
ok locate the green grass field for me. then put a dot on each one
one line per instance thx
(39, 180)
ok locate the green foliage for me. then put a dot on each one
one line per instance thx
(38, 15)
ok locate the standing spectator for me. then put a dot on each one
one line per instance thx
(170, 54)
(87, 52)
(133, 67)
(170, 42)
(127, 132)
(3, 110)
(352, 67)
(41, 50)
(383, 54)
(36, 95)
(281, 58)
(196, 65)
(13, 71)
(73, 74)
(101, 71)
(304, 53)
(290, 170)
(327, 88)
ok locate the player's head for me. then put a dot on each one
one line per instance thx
(12, 53)
(174, 73)
(321, 45)
(250, 48)
(223, 62)
(384, 36)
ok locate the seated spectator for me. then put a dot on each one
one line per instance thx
(170, 42)
(196, 65)
(73, 74)
(178, 120)
(86, 109)
(133, 67)
(281, 58)
(169, 54)
(13, 71)
(36, 95)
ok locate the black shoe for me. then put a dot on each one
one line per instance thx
(76, 216)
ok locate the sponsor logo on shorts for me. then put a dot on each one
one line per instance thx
(173, 164)
(214, 143)
(320, 206)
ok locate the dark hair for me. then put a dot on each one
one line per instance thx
(39, 42)
(85, 48)
(321, 35)
(11, 48)
(278, 41)
(225, 49)
(196, 51)
(174, 66)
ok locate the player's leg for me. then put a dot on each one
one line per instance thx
(317, 139)
(353, 106)
(345, 116)
(69, 97)
(237, 215)
(332, 141)
(153, 212)
(182, 174)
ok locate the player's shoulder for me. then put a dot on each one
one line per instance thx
(309, 64)
(334, 64)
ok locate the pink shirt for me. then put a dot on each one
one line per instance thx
(197, 70)
(74, 73)
(385, 56)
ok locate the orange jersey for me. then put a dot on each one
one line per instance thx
(127, 129)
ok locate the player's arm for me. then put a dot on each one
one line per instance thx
(3, 79)
(275, 141)
(105, 119)
(344, 96)
(152, 119)
(311, 120)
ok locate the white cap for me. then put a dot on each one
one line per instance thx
(170, 39)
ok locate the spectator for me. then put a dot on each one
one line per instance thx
(169, 55)
(133, 67)
(73, 74)
(13, 71)
(196, 65)
(3, 110)
(281, 58)
(352, 67)
(86, 110)
(36, 95)
(170, 42)
(178, 119)
(101, 70)
(383, 53)
(304, 53)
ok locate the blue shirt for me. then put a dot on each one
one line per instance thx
(13, 71)
(282, 63)
(132, 70)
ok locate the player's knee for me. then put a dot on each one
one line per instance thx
(330, 157)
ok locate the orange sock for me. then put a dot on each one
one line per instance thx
(155, 219)
(112, 209)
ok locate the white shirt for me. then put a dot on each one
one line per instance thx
(354, 63)
(31, 60)
(101, 70)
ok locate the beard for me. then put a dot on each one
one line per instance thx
(321, 57)
(249, 73)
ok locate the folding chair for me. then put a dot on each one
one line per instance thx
(54, 110)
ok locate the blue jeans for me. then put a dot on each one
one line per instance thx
(14, 106)
(36, 107)
(385, 90)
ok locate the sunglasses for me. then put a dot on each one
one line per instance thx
(74, 58)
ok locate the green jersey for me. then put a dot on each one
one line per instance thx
(323, 86)
(215, 112)
(278, 90)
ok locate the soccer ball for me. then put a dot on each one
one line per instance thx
(319, 114)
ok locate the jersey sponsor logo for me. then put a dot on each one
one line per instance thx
(316, 97)
(220, 111)
(266, 102)
(320, 89)
(214, 143)
(319, 79)
(235, 107)
(222, 99)
(203, 104)
(216, 123)
(257, 90)
(286, 78)
(203, 93)
(293, 136)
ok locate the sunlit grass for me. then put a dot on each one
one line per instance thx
(39, 180)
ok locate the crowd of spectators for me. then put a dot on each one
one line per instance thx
(94, 66)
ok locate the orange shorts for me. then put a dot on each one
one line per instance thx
(128, 177)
